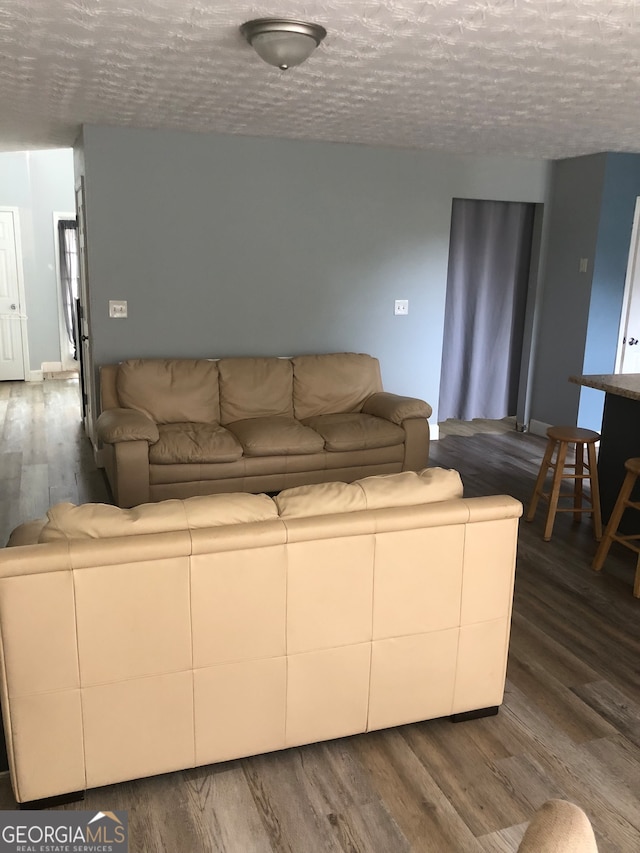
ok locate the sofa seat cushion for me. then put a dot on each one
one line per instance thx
(276, 436)
(355, 431)
(194, 442)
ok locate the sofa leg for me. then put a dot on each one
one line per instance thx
(475, 715)
(52, 802)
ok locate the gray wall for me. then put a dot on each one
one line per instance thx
(241, 246)
(590, 215)
(39, 183)
(572, 229)
(621, 188)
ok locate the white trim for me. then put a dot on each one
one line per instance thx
(21, 294)
(53, 367)
(34, 376)
(634, 248)
(434, 432)
(538, 428)
(67, 361)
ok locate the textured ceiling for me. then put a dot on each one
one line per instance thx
(541, 78)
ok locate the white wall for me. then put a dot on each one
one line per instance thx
(240, 246)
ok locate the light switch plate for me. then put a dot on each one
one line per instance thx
(118, 308)
(402, 306)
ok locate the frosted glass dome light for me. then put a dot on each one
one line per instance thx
(282, 42)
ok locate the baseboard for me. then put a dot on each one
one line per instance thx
(34, 376)
(434, 432)
(51, 366)
(538, 428)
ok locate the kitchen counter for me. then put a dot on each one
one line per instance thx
(620, 437)
(621, 384)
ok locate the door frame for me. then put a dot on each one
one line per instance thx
(27, 373)
(65, 363)
(87, 375)
(631, 276)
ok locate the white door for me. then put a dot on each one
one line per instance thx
(628, 353)
(12, 319)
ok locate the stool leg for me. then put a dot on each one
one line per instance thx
(614, 521)
(542, 473)
(595, 491)
(577, 487)
(555, 489)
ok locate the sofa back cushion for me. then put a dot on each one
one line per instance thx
(170, 390)
(381, 491)
(335, 382)
(255, 388)
(410, 488)
(102, 521)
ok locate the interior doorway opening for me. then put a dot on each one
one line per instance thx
(35, 185)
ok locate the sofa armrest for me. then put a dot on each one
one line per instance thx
(115, 425)
(393, 407)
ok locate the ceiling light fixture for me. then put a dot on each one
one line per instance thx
(282, 42)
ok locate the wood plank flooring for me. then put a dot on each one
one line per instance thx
(569, 726)
(45, 457)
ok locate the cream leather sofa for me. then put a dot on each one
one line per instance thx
(183, 633)
(172, 428)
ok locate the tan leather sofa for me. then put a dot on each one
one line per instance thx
(173, 428)
(183, 633)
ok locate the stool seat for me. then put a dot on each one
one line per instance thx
(559, 438)
(573, 435)
(633, 465)
(623, 502)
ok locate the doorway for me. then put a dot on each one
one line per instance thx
(85, 353)
(490, 256)
(14, 351)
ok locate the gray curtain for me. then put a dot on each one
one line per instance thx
(489, 261)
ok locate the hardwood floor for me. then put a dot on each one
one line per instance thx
(452, 426)
(569, 726)
(45, 457)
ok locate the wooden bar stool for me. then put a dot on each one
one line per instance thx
(611, 533)
(559, 439)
